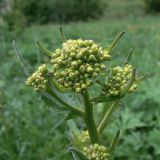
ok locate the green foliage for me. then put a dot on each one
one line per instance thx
(14, 20)
(60, 11)
(152, 5)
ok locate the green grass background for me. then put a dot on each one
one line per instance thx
(29, 130)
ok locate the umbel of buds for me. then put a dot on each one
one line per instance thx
(78, 63)
(73, 68)
(96, 152)
(119, 81)
(38, 79)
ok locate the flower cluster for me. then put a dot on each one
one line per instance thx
(78, 63)
(96, 152)
(119, 80)
(37, 80)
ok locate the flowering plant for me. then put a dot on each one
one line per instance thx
(67, 82)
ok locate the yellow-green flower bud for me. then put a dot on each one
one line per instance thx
(132, 88)
(72, 75)
(74, 64)
(89, 69)
(73, 54)
(57, 75)
(83, 86)
(88, 82)
(78, 89)
(92, 58)
(94, 74)
(55, 66)
(82, 68)
(84, 138)
(102, 66)
(106, 56)
(66, 85)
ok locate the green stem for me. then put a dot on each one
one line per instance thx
(89, 118)
(105, 120)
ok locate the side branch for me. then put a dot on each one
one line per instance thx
(105, 119)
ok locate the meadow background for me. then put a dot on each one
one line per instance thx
(30, 130)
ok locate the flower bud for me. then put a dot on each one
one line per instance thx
(102, 66)
(92, 58)
(88, 82)
(55, 66)
(89, 69)
(94, 74)
(73, 54)
(83, 86)
(106, 56)
(78, 89)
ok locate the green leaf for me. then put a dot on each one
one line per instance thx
(51, 101)
(44, 50)
(154, 140)
(27, 69)
(77, 154)
(128, 57)
(67, 97)
(129, 121)
(140, 79)
(115, 41)
(70, 116)
(62, 33)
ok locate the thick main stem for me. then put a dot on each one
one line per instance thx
(89, 118)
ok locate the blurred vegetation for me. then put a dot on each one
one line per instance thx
(153, 5)
(29, 130)
(52, 11)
